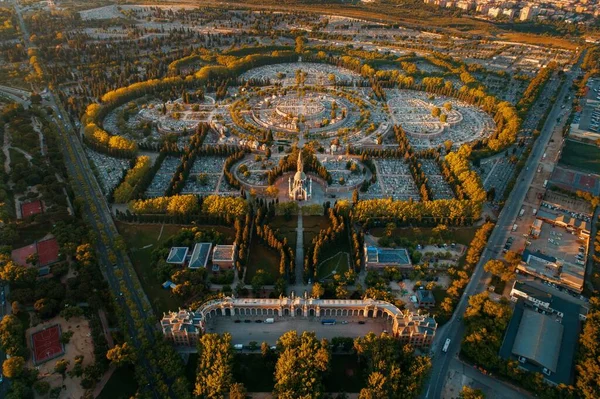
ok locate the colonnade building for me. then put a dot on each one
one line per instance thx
(413, 328)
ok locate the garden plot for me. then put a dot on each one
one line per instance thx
(204, 175)
(436, 182)
(315, 74)
(455, 121)
(254, 172)
(110, 170)
(395, 180)
(177, 116)
(427, 67)
(344, 171)
(162, 178)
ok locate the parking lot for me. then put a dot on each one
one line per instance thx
(245, 332)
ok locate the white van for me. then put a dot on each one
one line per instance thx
(269, 321)
(515, 227)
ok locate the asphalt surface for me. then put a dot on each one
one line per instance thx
(246, 332)
(98, 216)
(454, 329)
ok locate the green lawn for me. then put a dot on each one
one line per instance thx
(286, 228)
(345, 374)
(256, 373)
(581, 156)
(17, 157)
(137, 237)
(337, 263)
(121, 385)
(262, 257)
(31, 232)
(311, 224)
(459, 235)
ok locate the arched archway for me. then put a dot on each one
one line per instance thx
(299, 312)
(311, 312)
(286, 312)
(370, 313)
(227, 312)
(379, 313)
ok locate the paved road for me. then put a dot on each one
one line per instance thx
(97, 214)
(455, 327)
(494, 388)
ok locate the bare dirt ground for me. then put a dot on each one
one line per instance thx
(80, 345)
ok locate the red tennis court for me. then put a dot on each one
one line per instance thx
(31, 208)
(46, 344)
(47, 251)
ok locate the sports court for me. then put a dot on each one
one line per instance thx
(31, 208)
(46, 344)
(47, 251)
(573, 180)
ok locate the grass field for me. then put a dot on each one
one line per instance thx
(287, 228)
(28, 233)
(338, 263)
(137, 237)
(256, 372)
(121, 385)
(460, 235)
(539, 40)
(261, 257)
(581, 156)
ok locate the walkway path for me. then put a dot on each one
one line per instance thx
(299, 250)
(5, 147)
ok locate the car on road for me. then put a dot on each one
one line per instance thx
(344, 322)
(247, 321)
(258, 321)
(361, 322)
(237, 321)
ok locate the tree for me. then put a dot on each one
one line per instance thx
(471, 393)
(41, 387)
(66, 337)
(300, 42)
(237, 391)
(214, 366)
(61, 367)
(272, 191)
(500, 269)
(121, 354)
(317, 290)
(71, 311)
(13, 367)
(394, 370)
(299, 369)
(11, 335)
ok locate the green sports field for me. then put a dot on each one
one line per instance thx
(581, 156)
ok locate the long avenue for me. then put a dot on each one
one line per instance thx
(455, 328)
(118, 273)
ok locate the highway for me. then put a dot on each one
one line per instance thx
(122, 280)
(454, 329)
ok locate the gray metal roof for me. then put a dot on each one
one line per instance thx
(539, 339)
(200, 255)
